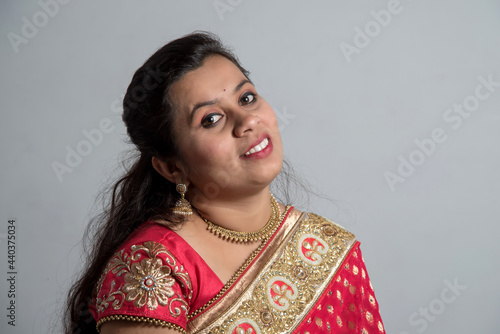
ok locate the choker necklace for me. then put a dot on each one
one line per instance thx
(243, 237)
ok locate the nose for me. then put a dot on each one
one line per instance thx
(245, 122)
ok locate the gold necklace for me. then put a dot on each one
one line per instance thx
(262, 234)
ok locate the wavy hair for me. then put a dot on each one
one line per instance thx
(140, 194)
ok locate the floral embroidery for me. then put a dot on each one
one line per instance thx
(148, 281)
(280, 292)
(103, 303)
(311, 248)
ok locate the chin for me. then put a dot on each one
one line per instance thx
(274, 171)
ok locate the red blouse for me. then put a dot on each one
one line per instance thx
(157, 277)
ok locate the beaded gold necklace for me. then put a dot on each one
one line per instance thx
(264, 233)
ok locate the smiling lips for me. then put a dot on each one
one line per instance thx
(259, 147)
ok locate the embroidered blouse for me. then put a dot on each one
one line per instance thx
(157, 277)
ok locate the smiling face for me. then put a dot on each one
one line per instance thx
(226, 133)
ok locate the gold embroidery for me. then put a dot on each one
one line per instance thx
(266, 317)
(329, 230)
(157, 322)
(300, 272)
(103, 303)
(147, 282)
(237, 274)
(244, 326)
(311, 248)
(287, 297)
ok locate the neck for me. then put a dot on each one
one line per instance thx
(245, 214)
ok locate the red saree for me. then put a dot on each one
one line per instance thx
(308, 278)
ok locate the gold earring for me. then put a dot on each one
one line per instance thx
(182, 206)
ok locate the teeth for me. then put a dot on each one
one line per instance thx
(257, 148)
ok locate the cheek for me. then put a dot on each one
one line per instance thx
(207, 153)
(271, 116)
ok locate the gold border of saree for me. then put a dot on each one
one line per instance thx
(282, 285)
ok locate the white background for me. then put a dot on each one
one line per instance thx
(345, 124)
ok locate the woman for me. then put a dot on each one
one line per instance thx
(193, 241)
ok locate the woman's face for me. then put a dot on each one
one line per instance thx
(227, 134)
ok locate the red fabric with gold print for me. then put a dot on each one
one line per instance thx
(348, 305)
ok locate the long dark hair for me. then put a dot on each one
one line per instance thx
(141, 194)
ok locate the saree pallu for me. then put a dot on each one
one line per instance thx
(309, 277)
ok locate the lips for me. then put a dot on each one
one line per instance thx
(259, 147)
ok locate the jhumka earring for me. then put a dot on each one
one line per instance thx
(182, 206)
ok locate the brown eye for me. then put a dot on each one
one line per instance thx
(210, 120)
(248, 98)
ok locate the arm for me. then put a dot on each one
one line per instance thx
(144, 290)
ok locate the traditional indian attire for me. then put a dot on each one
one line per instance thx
(309, 277)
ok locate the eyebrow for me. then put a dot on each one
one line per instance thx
(214, 101)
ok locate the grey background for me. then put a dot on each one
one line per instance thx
(344, 125)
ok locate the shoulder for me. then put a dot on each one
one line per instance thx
(145, 280)
(324, 226)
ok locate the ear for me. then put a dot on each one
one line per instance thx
(169, 169)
